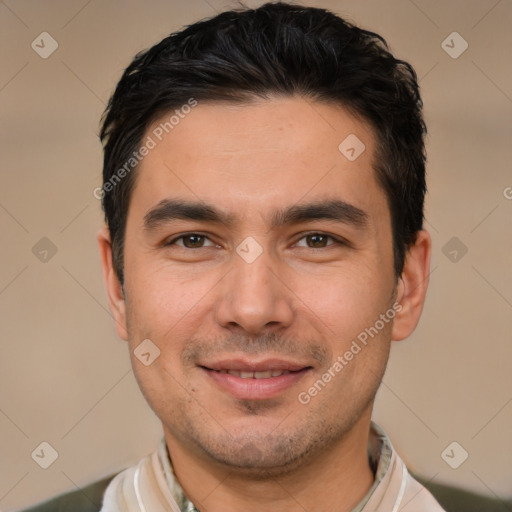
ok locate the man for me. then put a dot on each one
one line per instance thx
(264, 177)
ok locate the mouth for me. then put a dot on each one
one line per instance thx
(255, 380)
(267, 374)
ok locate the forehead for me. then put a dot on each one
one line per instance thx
(261, 155)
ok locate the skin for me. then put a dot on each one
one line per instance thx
(303, 299)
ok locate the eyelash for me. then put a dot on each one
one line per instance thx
(335, 240)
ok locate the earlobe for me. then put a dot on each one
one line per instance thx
(412, 286)
(112, 284)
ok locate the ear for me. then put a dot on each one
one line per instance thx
(114, 288)
(412, 287)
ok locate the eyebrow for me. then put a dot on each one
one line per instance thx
(336, 210)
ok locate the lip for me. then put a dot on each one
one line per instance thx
(263, 365)
(252, 388)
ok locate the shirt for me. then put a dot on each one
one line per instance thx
(151, 485)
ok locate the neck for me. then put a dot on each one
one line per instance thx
(336, 479)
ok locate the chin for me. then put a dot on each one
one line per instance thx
(259, 457)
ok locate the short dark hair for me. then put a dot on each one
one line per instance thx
(277, 49)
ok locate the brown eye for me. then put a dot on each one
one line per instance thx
(320, 241)
(191, 241)
(317, 240)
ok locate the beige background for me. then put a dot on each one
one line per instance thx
(64, 376)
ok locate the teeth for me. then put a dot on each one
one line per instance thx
(256, 375)
(263, 375)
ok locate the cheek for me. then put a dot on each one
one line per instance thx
(347, 300)
(169, 313)
(161, 302)
(163, 388)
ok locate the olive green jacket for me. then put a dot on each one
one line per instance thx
(452, 499)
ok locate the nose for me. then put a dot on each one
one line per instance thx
(253, 298)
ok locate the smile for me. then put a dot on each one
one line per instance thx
(256, 375)
(255, 380)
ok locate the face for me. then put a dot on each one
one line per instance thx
(256, 254)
